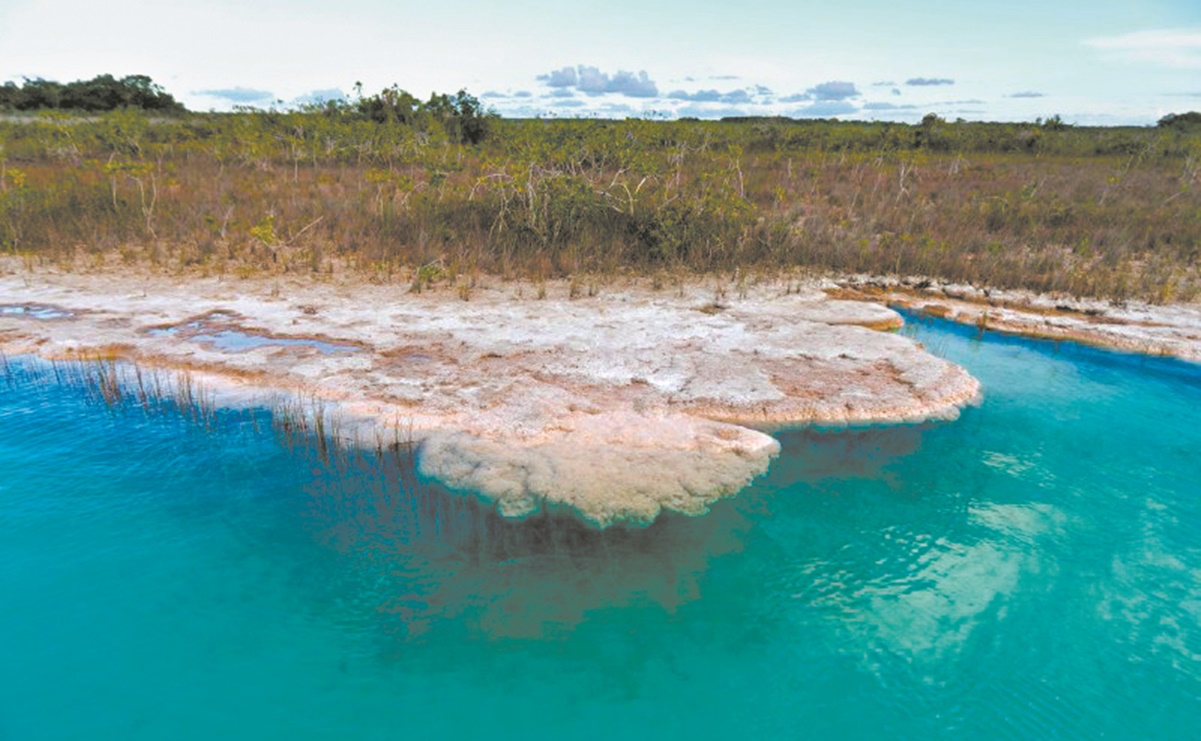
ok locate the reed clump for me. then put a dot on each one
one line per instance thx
(1109, 213)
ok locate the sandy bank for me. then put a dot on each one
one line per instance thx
(616, 406)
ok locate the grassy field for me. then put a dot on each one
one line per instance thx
(1109, 213)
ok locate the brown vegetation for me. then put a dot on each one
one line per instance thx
(1111, 213)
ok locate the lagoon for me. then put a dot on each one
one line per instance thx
(1032, 569)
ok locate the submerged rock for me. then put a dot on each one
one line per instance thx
(610, 467)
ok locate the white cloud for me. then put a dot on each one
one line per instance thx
(592, 81)
(1180, 48)
(733, 97)
(929, 81)
(834, 91)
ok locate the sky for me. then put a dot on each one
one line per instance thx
(1103, 62)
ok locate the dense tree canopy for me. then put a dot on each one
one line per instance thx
(101, 93)
(1189, 120)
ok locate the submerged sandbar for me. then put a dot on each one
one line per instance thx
(616, 406)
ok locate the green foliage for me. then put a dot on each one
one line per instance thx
(461, 117)
(389, 183)
(427, 275)
(264, 231)
(101, 93)
(1190, 121)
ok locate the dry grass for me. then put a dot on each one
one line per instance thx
(581, 199)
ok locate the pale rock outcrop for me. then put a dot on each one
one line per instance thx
(616, 407)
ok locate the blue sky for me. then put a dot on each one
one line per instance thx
(1091, 62)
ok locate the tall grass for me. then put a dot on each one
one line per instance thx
(1112, 213)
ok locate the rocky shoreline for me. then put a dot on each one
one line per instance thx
(615, 406)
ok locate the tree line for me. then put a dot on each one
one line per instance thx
(461, 115)
(101, 93)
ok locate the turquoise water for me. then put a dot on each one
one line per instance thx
(1032, 570)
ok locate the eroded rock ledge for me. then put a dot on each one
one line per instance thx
(616, 406)
(1171, 330)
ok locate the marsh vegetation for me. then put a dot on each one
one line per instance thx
(424, 192)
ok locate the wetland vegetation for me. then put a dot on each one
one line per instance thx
(438, 191)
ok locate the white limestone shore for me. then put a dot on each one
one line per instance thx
(1172, 330)
(616, 406)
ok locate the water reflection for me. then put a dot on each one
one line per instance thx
(410, 556)
(370, 545)
(811, 454)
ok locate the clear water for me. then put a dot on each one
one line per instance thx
(35, 311)
(232, 340)
(1032, 570)
(235, 340)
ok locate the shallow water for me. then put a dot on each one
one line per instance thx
(232, 340)
(1030, 570)
(35, 311)
(207, 331)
